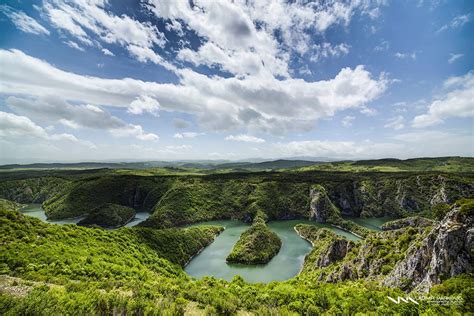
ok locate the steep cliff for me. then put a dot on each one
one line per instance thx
(444, 253)
(322, 209)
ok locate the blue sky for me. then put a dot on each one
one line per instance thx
(166, 80)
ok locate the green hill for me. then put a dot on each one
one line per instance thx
(257, 245)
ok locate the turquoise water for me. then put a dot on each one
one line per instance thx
(373, 223)
(286, 264)
(35, 210)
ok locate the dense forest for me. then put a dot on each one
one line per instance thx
(70, 269)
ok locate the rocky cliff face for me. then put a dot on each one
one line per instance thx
(321, 208)
(397, 195)
(336, 250)
(444, 253)
(414, 221)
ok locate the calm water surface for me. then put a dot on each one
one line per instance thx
(286, 264)
(373, 223)
(35, 210)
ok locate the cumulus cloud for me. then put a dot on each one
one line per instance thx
(81, 19)
(144, 104)
(457, 101)
(240, 36)
(269, 104)
(23, 22)
(136, 131)
(397, 122)
(51, 109)
(187, 135)
(107, 52)
(245, 138)
(20, 127)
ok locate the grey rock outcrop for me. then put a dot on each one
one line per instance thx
(337, 250)
(444, 253)
(414, 221)
(322, 209)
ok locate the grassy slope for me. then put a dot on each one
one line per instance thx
(256, 245)
(441, 164)
(94, 271)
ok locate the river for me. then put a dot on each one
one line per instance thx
(286, 264)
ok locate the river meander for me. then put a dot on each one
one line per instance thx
(211, 261)
(286, 264)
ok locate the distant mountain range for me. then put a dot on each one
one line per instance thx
(201, 164)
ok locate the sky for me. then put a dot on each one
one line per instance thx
(97, 80)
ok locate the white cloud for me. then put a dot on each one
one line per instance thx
(454, 57)
(15, 127)
(80, 17)
(405, 55)
(187, 135)
(74, 45)
(326, 50)
(383, 46)
(397, 122)
(107, 52)
(337, 149)
(456, 22)
(179, 147)
(458, 101)
(136, 131)
(347, 120)
(368, 111)
(246, 31)
(51, 109)
(245, 138)
(180, 123)
(406, 145)
(144, 104)
(146, 54)
(265, 104)
(23, 22)
(236, 62)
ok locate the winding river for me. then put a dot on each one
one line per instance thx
(211, 261)
(35, 210)
(286, 264)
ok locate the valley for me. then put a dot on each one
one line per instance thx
(168, 238)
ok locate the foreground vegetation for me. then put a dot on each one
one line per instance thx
(52, 269)
(257, 245)
(75, 270)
